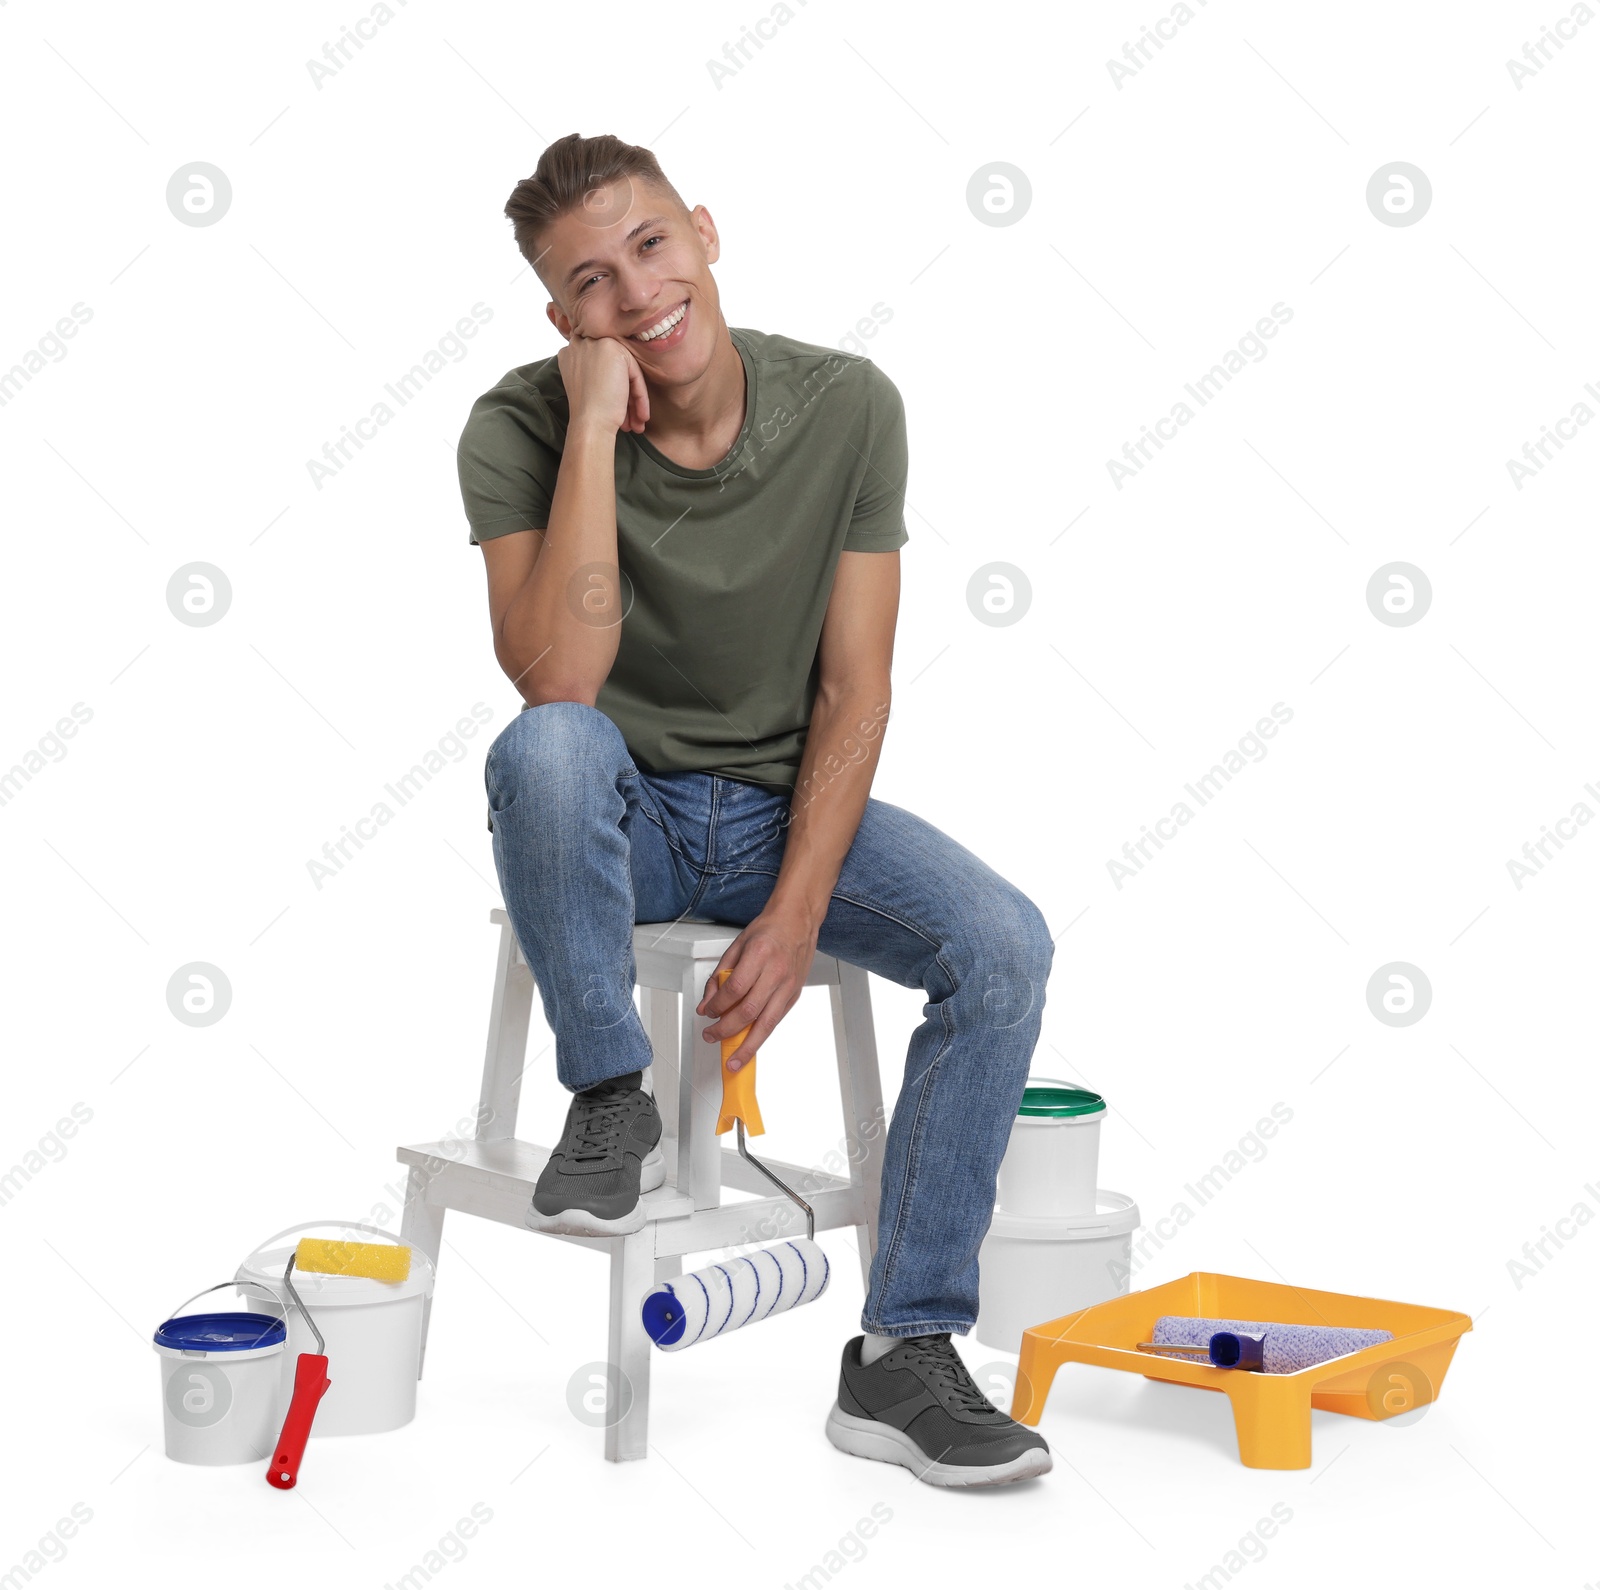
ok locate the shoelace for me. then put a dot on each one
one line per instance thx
(598, 1126)
(950, 1374)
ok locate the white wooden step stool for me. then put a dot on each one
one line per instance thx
(494, 1174)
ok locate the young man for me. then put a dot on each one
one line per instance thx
(692, 539)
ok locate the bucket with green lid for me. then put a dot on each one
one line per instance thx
(1053, 1159)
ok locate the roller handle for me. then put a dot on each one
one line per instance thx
(310, 1382)
(738, 1087)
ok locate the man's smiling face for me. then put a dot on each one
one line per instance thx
(631, 263)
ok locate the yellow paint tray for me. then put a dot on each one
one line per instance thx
(1271, 1413)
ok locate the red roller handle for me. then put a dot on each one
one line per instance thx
(310, 1382)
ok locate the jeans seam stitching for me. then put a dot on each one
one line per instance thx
(913, 1149)
(666, 833)
(711, 827)
(905, 922)
(907, 1182)
(924, 1327)
(708, 871)
(849, 899)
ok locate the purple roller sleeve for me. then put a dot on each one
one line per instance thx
(1284, 1349)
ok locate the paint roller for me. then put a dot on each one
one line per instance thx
(311, 1383)
(1248, 1344)
(708, 1303)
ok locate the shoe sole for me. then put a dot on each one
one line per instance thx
(581, 1223)
(869, 1438)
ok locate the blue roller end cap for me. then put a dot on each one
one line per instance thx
(663, 1317)
(1237, 1349)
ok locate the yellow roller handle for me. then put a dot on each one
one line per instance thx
(738, 1087)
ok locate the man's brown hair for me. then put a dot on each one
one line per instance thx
(571, 168)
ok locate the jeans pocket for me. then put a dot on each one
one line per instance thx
(497, 799)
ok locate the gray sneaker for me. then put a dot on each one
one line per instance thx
(919, 1407)
(608, 1155)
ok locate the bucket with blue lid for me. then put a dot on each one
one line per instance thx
(221, 1384)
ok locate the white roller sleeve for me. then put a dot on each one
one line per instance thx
(742, 1291)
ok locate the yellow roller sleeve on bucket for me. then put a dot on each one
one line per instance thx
(738, 1087)
(377, 1260)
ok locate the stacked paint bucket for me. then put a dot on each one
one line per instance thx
(1058, 1241)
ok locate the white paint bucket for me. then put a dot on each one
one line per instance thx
(221, 1390)
(373, 1330)
(1033, 1269)
(1052, 1162)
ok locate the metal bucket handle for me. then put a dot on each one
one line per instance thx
(217, 1288)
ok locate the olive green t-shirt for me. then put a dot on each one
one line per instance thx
(726, 571)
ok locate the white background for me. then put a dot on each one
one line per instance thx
(1166, 617)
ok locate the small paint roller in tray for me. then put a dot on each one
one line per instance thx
(1248, 1344)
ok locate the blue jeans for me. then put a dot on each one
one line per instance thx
(586, 845)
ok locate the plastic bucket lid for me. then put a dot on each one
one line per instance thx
(220, 1333)
(1058, 1101)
